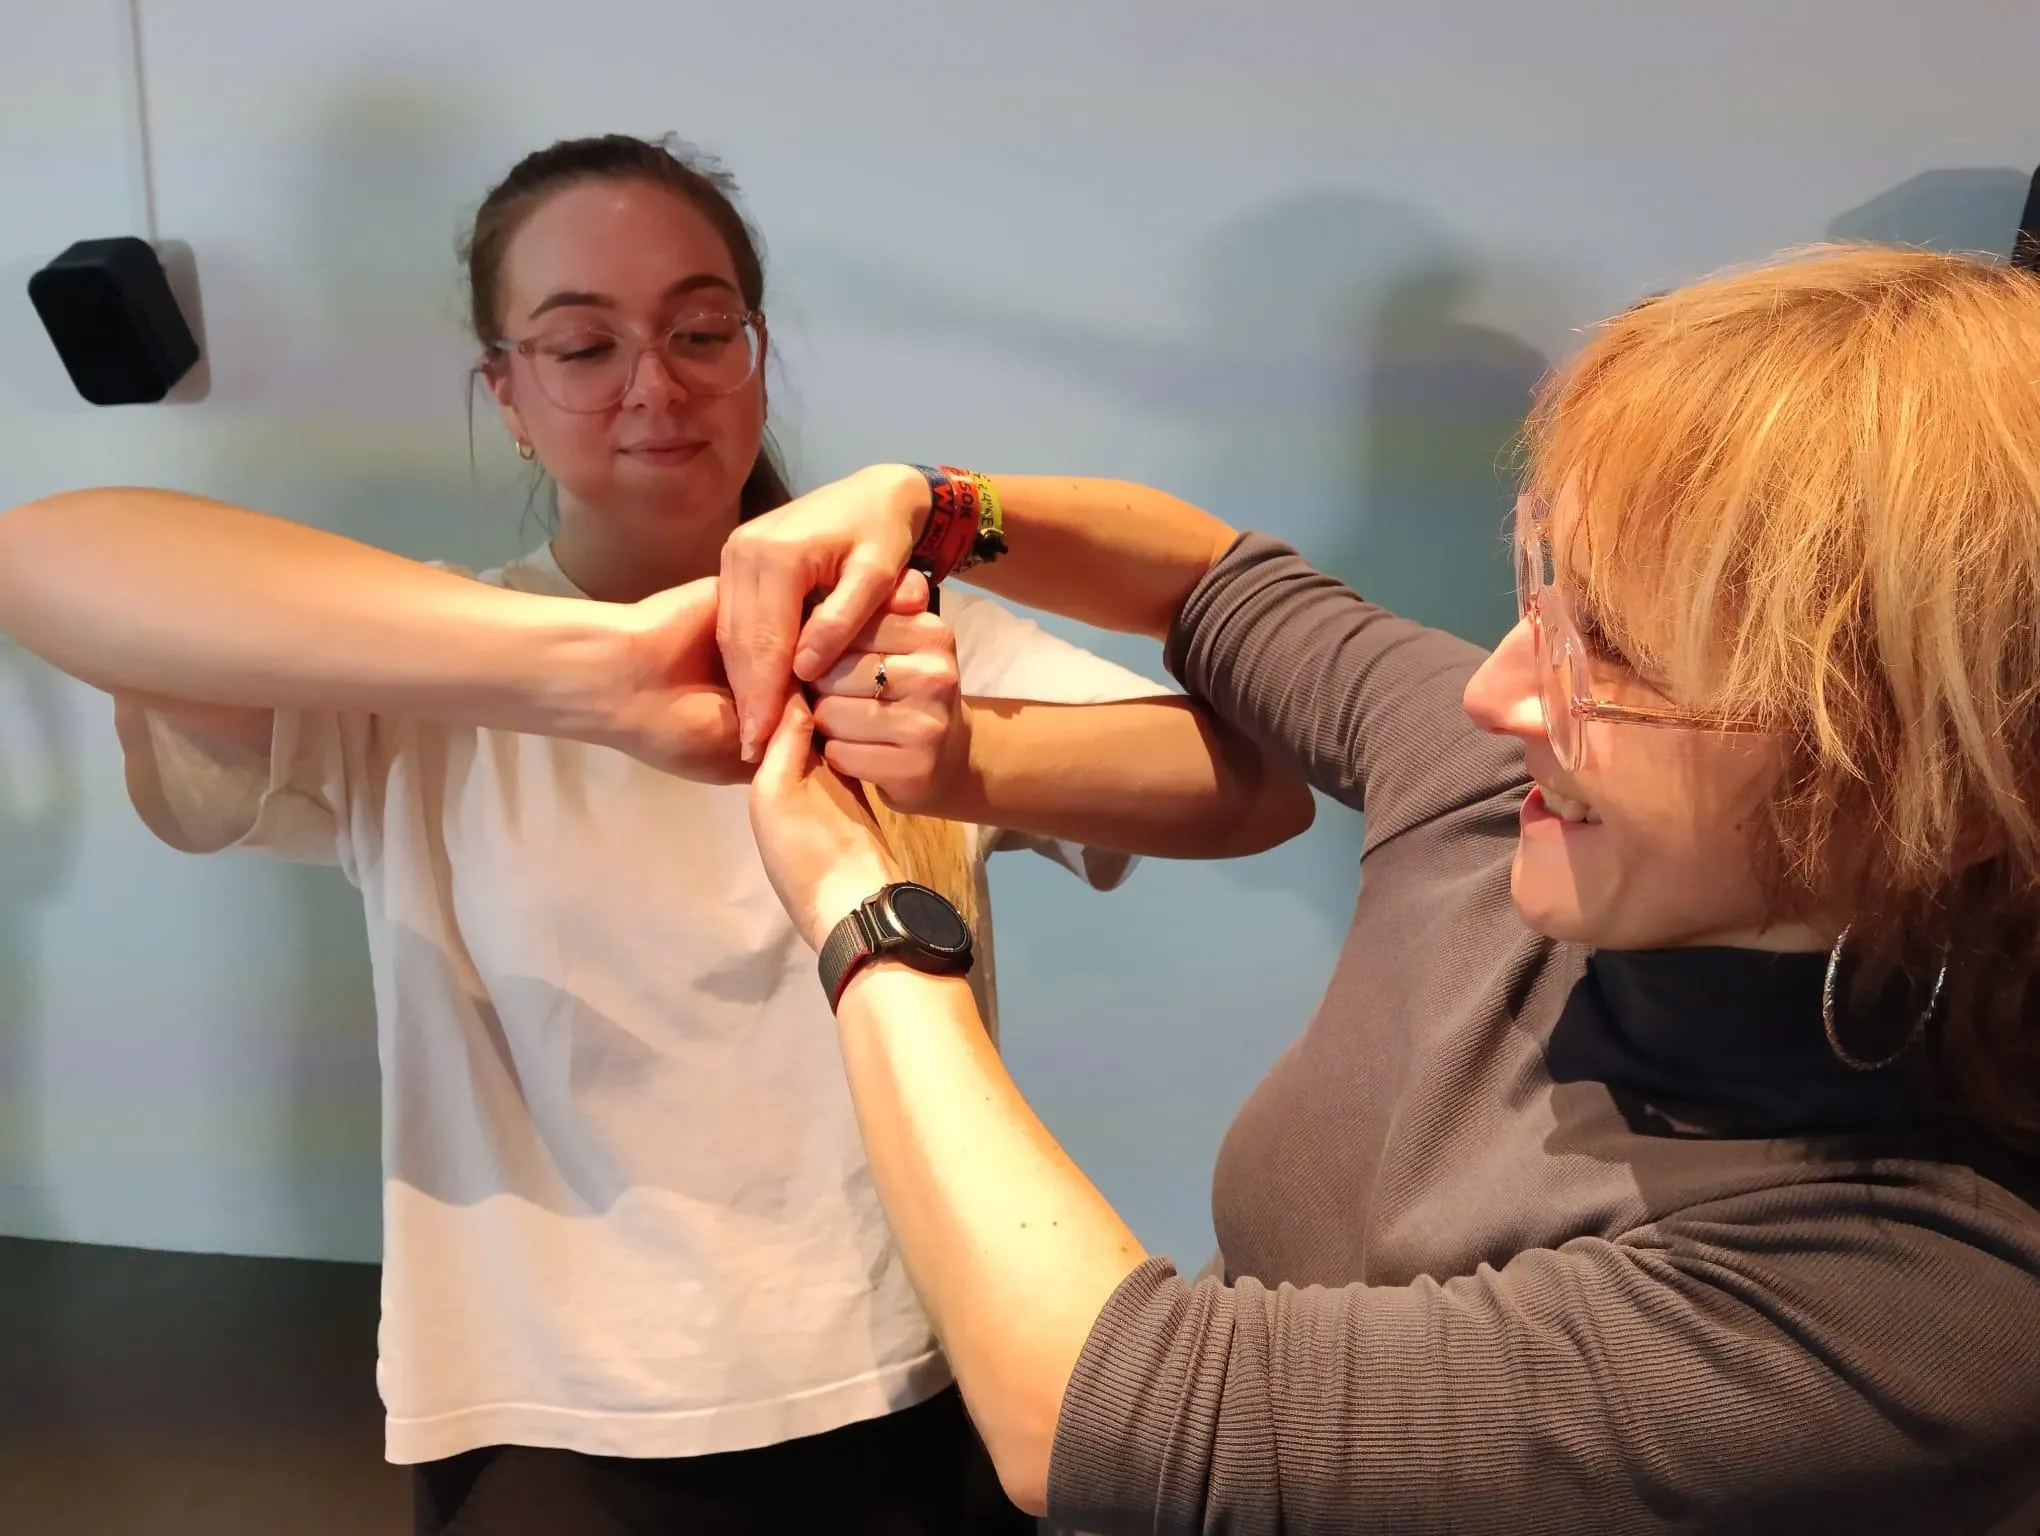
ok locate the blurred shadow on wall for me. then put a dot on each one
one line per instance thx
(395, 171)
(1965, 209)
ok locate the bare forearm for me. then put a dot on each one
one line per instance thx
(1112, 553)
(158, 593)
(1148, 776)
(1013, 1251)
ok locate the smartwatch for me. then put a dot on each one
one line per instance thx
(904, 922)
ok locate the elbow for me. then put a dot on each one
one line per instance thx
(1280, 806)
(1015, 1408)
(1020, 1452)
(1286, 808)
(1261, 804)
(1028, 1492)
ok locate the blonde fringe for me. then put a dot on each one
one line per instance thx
(1809, 493)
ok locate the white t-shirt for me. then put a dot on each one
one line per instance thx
(626, 1208)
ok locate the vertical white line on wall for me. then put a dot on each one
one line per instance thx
(127, 27)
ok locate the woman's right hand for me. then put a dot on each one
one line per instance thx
(820, 847)
(671, 705)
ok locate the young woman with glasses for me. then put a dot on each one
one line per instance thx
(1665, 1153)
(635, 1273)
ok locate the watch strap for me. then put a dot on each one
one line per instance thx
(846, 949)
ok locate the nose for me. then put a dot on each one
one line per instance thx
(1502, 696)
(652, 380)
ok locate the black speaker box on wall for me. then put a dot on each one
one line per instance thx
(108, 307)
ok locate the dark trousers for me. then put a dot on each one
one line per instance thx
(919, 1472)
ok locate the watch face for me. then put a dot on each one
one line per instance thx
(928, 918)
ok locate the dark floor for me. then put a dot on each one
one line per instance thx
(170, 1393)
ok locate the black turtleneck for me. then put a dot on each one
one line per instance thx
(1729, 1042)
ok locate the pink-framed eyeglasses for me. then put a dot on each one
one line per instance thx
(1565, 686)
(589, 368)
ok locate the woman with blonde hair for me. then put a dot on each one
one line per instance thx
(1663, 1154)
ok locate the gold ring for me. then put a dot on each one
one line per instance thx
(878, 680)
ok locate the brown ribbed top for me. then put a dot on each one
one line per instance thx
(1518, 1242)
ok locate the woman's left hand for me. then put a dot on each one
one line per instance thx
(820, 846)
(904, 730)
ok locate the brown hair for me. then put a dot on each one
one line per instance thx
(934, 852)
(1808, 494)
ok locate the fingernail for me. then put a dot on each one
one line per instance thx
(805, 661)
(747, 737)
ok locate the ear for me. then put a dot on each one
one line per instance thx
(494, 372)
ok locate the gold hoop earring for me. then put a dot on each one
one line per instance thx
(525, 451)
(1827, 1013)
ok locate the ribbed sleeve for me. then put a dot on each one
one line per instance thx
(1828, 1356)
(1363, 704)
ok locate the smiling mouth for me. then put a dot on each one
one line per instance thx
(1566, 808)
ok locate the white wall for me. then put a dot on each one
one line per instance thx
(1298, 261)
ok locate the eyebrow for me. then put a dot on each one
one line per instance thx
(570, 298)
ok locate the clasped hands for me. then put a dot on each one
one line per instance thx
(696, 662)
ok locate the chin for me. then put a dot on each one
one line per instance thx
(1548, 903)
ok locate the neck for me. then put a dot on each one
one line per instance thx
(1789, 938)
(621, 559)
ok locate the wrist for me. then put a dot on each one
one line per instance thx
(959, 789)
(519, 661)
(837, 896)
(589, 669)
(905, 494)
(965, 526)
(885, 983)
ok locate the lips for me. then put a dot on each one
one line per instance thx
(665, 450)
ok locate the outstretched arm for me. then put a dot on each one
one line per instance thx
(1156, 776)
(169, 600)
(1111, 553)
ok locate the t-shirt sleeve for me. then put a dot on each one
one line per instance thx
(1000, 654)
(1758, 1363)
(1364, 705)
(296, 801)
